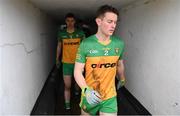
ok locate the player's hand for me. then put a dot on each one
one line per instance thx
(120, 84)
(92, 96)
(57, 63)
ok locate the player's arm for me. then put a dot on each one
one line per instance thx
(78, 74)
(92, 96)
(120, 71)
(58, 52)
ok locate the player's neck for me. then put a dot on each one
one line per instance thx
(102, 37)
(70, 30)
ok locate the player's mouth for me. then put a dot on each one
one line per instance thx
(111, 31)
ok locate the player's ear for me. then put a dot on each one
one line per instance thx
(98, 21)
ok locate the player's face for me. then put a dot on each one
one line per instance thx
(70, 21)
(107, 24)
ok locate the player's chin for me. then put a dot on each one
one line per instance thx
(111, 32)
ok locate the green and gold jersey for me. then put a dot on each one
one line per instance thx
(101, 63)
(70, 43)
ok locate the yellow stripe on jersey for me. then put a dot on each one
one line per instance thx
(70, 47)
(99, 73)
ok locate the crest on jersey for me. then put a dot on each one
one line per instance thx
(116, 50)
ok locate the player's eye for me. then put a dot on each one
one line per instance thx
(109, 21)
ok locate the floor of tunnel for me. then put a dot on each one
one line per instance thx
(51, 99)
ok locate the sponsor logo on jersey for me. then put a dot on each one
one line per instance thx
(93, 51)
(71, 43)
(105, 65)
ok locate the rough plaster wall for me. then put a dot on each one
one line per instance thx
(26, 55)
(150, 29)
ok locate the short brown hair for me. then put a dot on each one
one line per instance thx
(106, 8)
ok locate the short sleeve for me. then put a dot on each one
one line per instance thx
(122, 54)
(81, 56)
(59, 36)
(121, 51)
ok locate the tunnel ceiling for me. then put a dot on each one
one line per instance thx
(84, 9)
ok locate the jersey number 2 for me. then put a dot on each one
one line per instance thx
(106, 52)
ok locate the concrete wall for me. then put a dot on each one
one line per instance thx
(27, 51)
(150, 29)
